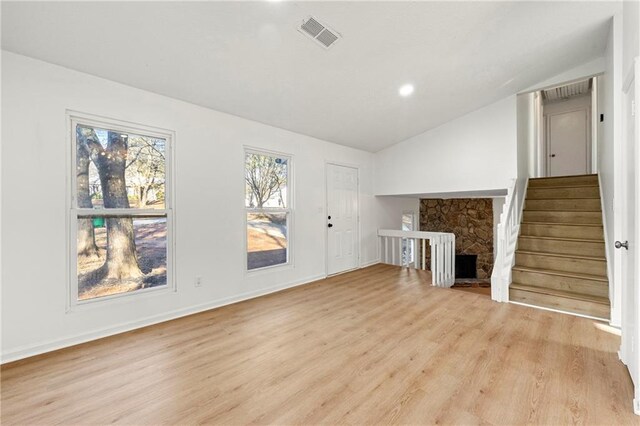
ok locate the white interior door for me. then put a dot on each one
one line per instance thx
(628, 246)
(342, 218)
(568, 143)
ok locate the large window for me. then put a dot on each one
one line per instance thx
(268, 209)
(120, 210)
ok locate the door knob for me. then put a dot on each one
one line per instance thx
(618, 245)
(330, 225)
(552, 155)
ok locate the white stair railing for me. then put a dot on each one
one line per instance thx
(443, 246)
(507, 238)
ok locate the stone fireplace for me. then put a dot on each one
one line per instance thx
(471, 220)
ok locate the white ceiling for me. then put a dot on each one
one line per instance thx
(248, 59)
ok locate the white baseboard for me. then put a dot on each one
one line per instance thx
(32, 350)
(370, 263)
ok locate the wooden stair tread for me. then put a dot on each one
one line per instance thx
(584, 175)
(565, 211)
(528, 209)
(570, 256)
(562, 273)
(560, 293)
(560, 223)
(577, 240)
(594, 185)
(564, 185)
(560, 199)
(588, 175)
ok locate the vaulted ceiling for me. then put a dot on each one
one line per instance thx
(249, 59)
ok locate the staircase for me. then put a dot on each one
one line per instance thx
(560, 260)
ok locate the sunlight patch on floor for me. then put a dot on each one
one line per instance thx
(609, 329)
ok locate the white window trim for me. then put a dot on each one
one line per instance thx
(74, 118)
(411, 243)
(289, 211)
(413, 218)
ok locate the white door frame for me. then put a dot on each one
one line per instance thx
(326, 213)
(636, 72)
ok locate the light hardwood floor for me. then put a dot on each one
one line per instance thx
(378, 345)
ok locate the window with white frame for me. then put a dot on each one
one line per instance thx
(268, 208)
(121, 209)
(408, 245)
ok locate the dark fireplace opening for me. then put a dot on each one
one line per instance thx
(466, 266)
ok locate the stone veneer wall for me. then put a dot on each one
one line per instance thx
(470, 219)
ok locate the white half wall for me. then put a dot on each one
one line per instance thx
(209, 207)
(476, 152)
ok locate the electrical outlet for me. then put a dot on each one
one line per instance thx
(198, 282)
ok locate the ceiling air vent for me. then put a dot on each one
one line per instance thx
(319, 32)
(568, 91)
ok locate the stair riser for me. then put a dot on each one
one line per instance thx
(580, 248)
(585, 266)
(563, 193)
(594, 218)
(562, 231)
(565, 304)
(565, 181)
(557, 282)
(577, 204)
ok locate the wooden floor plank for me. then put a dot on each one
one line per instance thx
(378, 345)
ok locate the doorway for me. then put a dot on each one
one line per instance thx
(567, 118)
(342, 219)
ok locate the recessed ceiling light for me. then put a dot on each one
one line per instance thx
(406, 90)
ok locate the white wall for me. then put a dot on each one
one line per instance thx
(389, 211)
(526, 123)
(472, 153)
(577, 102)
(609, 104)
(587, 69)
(209, 187)
(478, 151)
(631, 35)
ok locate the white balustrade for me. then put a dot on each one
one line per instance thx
(507, 236)
(443, 246)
